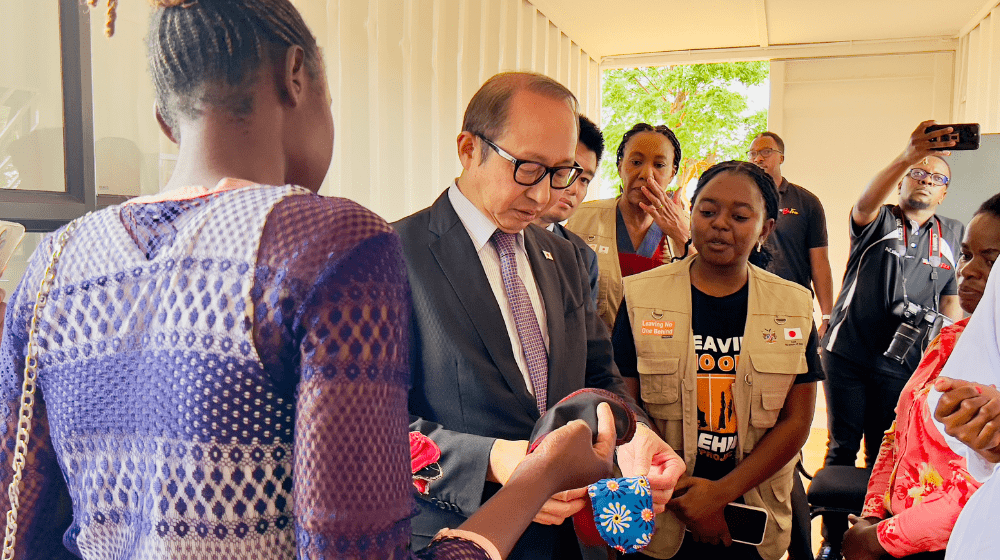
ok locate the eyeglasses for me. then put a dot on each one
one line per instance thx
(530, 173)
(766, 152)
(918, 174)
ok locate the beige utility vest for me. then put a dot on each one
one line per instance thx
(596, 222)
(773, 352)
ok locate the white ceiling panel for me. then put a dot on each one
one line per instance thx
(795, 21)
(623, 27)
(606, 27)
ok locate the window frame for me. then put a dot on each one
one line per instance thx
(41, 211)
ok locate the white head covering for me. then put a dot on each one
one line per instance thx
(977, 353)
(976, 357)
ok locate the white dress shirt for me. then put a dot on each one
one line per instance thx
(480, 229)
(976, 357)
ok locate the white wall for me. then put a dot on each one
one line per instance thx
(129, 143)
(31, 107)
(401, 73)
(843, 119)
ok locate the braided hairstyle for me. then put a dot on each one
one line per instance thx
(643, 127)
(768, 192)
(195, 46)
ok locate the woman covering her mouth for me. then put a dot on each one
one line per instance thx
(645, 226)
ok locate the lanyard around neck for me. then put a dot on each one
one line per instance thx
(933, 250)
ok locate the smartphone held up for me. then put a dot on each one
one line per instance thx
(965, 136)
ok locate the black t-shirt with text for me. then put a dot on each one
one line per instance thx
(880, 265)
(717, 325)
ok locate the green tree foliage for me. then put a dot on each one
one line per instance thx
(704, 104)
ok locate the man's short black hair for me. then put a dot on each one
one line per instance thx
(773, 136)
(592, 137)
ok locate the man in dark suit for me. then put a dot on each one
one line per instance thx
(589, 150)
(502, 326)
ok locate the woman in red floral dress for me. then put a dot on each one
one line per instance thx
(918, 484)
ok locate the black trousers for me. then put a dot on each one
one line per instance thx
(860, 401)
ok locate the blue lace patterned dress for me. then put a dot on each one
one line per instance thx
(223, 375)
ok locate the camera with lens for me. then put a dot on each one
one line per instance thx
(917, 322)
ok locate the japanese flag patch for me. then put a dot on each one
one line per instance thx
(793, 334)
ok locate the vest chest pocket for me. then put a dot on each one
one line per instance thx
(774, 373)
(659, 382)
(764, 408)
(792, 361)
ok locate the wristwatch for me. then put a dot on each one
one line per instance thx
(826, 318)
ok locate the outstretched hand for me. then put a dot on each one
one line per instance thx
(923, 144)
(568, 459)
(970, 413)
(648, 455)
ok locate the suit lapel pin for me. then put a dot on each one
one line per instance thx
(548, 255)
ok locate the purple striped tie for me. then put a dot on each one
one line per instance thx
(524, 318)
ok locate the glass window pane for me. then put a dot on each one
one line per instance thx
(133, 157)
(31, 97)
(19, 263)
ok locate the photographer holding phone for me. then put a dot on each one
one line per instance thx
(902, 261)
(919, 484)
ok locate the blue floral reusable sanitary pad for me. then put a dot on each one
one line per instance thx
(623, 512)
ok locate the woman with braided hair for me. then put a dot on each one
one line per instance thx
(222, 369)
(722, 355)
(645, 226)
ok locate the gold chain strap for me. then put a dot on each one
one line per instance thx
(28, 391)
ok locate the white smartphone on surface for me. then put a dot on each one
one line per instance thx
(11, 235)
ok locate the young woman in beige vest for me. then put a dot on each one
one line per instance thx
(724, 358)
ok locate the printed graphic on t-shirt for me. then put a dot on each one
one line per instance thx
(717, 361)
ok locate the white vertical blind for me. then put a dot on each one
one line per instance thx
(977, 77)
(401, 73)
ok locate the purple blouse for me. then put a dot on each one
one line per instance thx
(223, 377)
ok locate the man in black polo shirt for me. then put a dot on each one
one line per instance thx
(898, 252)
(802, 255)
